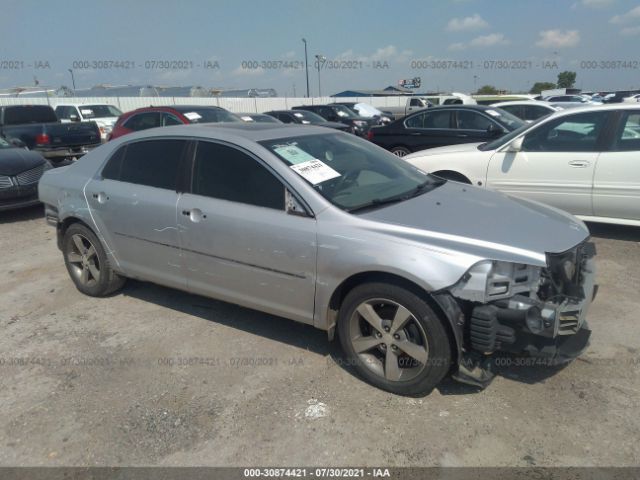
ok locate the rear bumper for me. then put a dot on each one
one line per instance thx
(65, 152)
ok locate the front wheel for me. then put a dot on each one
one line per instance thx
(394, 339)
(87, 263)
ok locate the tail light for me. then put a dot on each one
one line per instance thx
(370, 134)
(42, 139)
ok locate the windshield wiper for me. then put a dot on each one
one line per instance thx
(414, 192)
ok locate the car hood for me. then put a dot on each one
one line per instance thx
(460, 148)
(16, 160)
(481, 222)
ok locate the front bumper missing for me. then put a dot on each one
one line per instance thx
(554, 331)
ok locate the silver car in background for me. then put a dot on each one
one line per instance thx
(418, 276)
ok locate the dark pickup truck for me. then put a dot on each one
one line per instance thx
(38, 128)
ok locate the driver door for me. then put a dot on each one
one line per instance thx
(556, 164)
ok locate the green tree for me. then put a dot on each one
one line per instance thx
(487, 90)
(566, 79)
(540, 86)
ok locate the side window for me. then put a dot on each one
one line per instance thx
(416, 121)
(628, 137)
(168, 119)
(112, 169)
(573, 133)
(154, 163)
(534, 112)
(468, 120)
(514, 110)
(143, 121)
(62, 114)
(283, 117)
(415, 103)
(226, 173)
(435, 119)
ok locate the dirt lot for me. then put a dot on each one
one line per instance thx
(154, 376)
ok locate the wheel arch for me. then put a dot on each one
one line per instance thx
(64, 224)
(441, 303)
(452, 175)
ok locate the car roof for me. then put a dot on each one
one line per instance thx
(256, 132)
(251, 114)
(83, 104)
(521, 102)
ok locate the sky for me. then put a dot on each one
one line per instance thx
(452, 45)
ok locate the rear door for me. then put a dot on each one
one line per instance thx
(616, 186)
(240, 244)
(428, 129)
(473, 127)
(133, 202)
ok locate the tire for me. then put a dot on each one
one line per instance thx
(423, 334)
(400, 151)
(87, 262)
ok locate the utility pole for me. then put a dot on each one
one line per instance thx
(306, 64)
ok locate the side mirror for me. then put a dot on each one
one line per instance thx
(516, 145)
(293, 206)
(74, 118)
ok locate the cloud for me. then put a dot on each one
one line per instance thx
(390, 52)
(592, 4)
(474, 22)
(558, 38)
(631, 15)
(457, 46)
(483, 41)
(630, 31)
(491, 40)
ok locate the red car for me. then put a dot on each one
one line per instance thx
(151, 117)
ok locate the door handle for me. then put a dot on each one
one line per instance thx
(579, 163)
(195, 215)
(101, 197)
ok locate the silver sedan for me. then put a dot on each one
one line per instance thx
(419, 277)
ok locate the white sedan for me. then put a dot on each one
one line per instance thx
(585, 161)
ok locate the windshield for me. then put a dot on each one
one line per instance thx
(99, 111)
(351, 173)
(503, 140)
(308, 117)
(344, 112)
(209, 115)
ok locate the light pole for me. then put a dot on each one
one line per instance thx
(306, 64)
(73, 80)
(319, 58)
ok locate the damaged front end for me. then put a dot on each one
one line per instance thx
(523, 309)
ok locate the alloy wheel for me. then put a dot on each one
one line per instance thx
(388, 340)
(83, 259)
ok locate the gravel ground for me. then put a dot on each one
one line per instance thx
(153, 376)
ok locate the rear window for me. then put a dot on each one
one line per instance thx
(29, 114)
(209, 115)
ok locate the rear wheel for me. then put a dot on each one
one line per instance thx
(394, 339)
(400, 151)
(87, 263)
